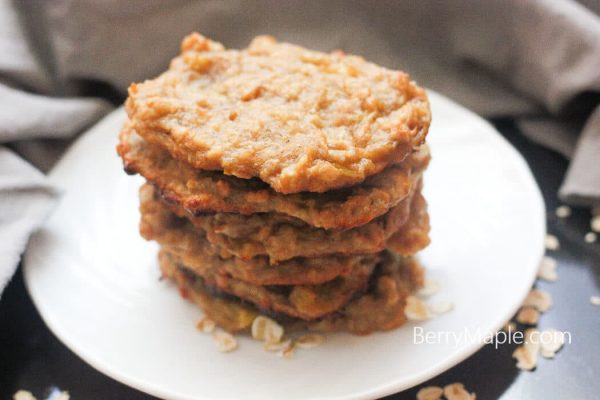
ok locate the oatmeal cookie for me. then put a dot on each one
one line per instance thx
(207, 192)
(180, 238)
(297, 119)
(379, 308)
(305, 302)
(414, 234)
(281, 238)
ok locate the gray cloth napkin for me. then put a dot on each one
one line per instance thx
(536, 61)
(25, 200)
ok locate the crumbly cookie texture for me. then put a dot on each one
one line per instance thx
(208, 192)
(282, 238)
(299, 120)
(379, 308)
(178, 237)
(307, 302)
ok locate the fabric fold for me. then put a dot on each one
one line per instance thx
(25, 201)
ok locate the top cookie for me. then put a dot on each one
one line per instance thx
(299, 120)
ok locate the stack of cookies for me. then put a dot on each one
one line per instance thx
(282, 182)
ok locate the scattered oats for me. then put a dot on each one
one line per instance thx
(457, 391)
(527, 354)
(430, 393)
(441, 308)
(590, 237)
(206, 325)
(563, 211)
(538, 299)
(547, 269)
(551, 341)
(552, 242)
(525, 360)
(225, 341)
(23, 395)
(595, 300)
(266, 330)
(595, 223)
(280, 346)
(309, 341)
(55, 394)
(528, 315)
(415, 309)
(288, 351)
(429, 287)
(509, 327)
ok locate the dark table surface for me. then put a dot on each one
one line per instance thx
(32, 358)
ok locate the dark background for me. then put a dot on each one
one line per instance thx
(31, 358)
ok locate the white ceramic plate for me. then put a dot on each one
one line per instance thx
(95, 281)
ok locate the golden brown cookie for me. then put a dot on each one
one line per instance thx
(414, 234)
(282, 238)
(179, 237)
(303, 301)
(296, 119)
(380, 307)
(208, 192)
